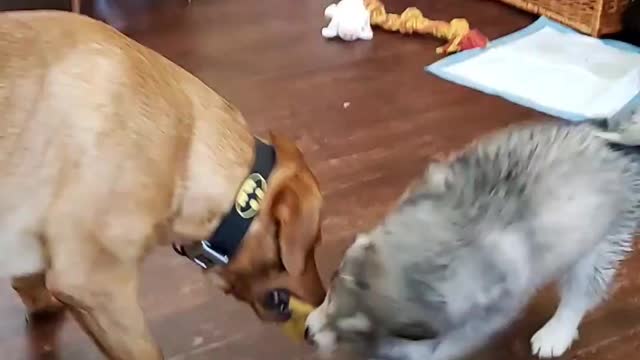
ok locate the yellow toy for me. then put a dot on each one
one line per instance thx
(458, 34)
(294, 327)
(281, 302)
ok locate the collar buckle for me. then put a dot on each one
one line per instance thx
(203, 254)
(215, 256)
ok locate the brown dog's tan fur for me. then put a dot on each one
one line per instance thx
(107, 150)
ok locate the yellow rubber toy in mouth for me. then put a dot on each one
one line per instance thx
(295, 326)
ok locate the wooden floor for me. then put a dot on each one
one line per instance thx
(368, 118)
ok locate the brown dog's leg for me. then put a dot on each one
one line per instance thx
(104, 301)
(34, 294)
(94, 252)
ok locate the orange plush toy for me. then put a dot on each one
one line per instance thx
(457, 33)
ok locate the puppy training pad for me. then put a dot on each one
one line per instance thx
(553, 69)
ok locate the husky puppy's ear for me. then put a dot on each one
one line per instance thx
(357, 259)
(438, 177)
(363, 242)
(359, 249)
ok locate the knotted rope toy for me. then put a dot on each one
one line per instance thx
(457, 33)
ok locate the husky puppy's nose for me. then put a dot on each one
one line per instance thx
(308, 337)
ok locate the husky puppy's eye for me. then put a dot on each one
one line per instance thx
(355, 282)
(362, 285)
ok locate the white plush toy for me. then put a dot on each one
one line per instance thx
(349, 19)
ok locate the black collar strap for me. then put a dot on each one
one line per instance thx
(225, 241)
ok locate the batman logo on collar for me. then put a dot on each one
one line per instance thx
(250, 196)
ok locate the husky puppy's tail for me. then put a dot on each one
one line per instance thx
(623, 129)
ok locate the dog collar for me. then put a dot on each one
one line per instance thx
(224, 242)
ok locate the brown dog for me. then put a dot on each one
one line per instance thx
(107, 149)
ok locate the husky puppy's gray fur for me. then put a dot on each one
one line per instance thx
(477, 236)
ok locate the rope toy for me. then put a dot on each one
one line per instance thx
(457, 33)
(349, 21)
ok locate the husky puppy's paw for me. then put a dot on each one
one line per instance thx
(553, 339)
(401, 349)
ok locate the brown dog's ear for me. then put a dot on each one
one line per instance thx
(296, 209)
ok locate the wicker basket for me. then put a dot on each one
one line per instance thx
(593, 17)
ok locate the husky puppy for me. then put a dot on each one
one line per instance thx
(477, 236)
